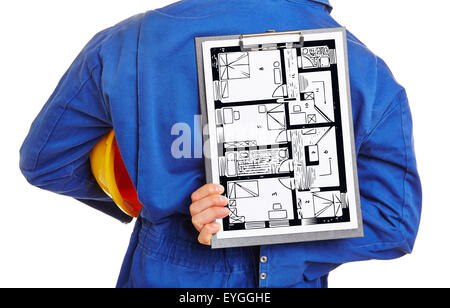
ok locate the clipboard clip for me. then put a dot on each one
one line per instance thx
(271, 46)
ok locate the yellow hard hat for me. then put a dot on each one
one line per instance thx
(109, 170)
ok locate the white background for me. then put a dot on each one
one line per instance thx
(52, 241)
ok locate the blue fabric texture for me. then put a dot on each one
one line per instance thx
(140, 78)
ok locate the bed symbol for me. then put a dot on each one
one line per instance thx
(277, 212)
(230, 116)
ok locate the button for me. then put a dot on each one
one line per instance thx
(263, 259)
(263, 276)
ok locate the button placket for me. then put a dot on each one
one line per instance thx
(263, 267)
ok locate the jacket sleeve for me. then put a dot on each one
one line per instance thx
(391, 196)
(55, 154)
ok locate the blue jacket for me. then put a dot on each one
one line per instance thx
(139, 77)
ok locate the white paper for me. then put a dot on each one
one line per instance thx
(280, 135)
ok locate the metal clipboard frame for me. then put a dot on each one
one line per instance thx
(288, 238)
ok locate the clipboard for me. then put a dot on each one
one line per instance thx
(278, 135)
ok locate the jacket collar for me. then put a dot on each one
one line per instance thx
(325, 2)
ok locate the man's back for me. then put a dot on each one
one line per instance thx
(140, 78)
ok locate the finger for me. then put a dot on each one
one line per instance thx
(207, 233)
(208, 202)
(206, 190)
(209, 216)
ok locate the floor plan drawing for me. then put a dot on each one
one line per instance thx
(277, 125)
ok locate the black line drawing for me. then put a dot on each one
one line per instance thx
(234, 65)
(307, 162)
(331, 169)
(242, 190)
(317, 57)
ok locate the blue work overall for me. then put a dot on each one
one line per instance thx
(139, 77)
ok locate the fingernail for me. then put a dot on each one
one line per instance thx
(220, 188)
(223, 199)
(225, 211)
(217, 225)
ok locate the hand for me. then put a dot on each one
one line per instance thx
(208, 205)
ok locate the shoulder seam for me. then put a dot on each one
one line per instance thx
(389, 110)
